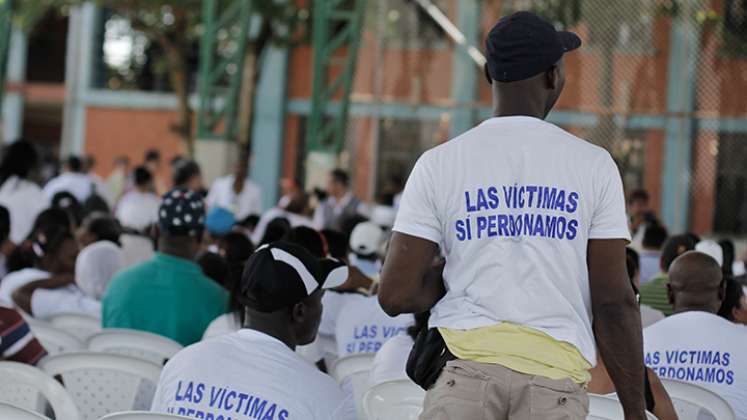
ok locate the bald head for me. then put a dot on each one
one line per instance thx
(695, 283)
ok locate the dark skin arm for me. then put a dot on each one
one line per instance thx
(617, 323)
(22, 295)
(664, 409)
(409, 281)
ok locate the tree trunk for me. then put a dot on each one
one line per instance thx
(246, 97)
(180, 83)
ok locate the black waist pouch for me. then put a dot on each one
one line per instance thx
(427, 358)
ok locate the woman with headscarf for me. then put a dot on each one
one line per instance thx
(94, 268)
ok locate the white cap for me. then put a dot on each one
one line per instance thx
(383, 216)
(366, 238)
(712, 249)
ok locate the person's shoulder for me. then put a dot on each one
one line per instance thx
(135, 274)
(209, 285)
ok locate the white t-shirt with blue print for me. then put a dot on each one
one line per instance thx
(248, 375)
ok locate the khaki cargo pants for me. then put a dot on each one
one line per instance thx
(478, 391)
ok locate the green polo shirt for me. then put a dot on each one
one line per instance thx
(654, 294)
(167, 295)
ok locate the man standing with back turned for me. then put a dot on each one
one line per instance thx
(532, 223)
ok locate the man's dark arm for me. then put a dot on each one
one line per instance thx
(409, 282)
(617, 323)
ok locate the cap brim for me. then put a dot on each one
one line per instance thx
(336, 278)
(569, 40)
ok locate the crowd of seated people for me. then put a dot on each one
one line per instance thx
(285, 292)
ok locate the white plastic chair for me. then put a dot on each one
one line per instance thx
(348, 365)
(144, 345)
(54, 339)
(30, 388)
(690, 400)
(79, 325)
(103, 383)
(603, 407)
(394, 400)
(11, 412)
(142, 415)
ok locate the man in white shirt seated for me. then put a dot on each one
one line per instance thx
(695, 345)
(236, 192)
(138, 209)
(73, 180)
(254, 373)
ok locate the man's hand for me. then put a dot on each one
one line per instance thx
(409, 284)
(617, 323)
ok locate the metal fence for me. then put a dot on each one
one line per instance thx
(661, 84)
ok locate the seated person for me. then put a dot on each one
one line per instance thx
(363, 327)
(255, 372)
(650, 256)
(54, 251)
(390, 362)
(734, 306)
(657, 399)
(17, 342)
(649, 315)
(695, 345)
(654, 293)
(95, 266)
(168, 295)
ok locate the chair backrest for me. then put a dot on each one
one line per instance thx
(348, 365)
(30, 388)
(11, 412)
(55, 340)
(79, 325)
(394, 400)
(103, 383)
(691, 400)
(142, 415)
(603, 407)
(144, 345)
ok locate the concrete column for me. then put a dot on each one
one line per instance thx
(268, 124)
(464, 72)
(681, 92)
(78, 69)
(16, 74)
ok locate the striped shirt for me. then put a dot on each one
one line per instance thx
(654, 294)
(17, 343)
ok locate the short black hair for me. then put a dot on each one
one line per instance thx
(340, 176)
(309, 239)
(276, 230)
(74, 163)
(4, 224)
(19, 159)
(639, 195)
(214, 266)
(654, 236)
(732, 299)
(142, 176)
(152, 155)
(632, 262)
(249, 222)
(674, 247)
(337, 244)
(67, 202)
(184, 171)
(104, 227)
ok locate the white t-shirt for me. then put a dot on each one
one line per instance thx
(704, 349)
(363, 327)
(246, 203)
(24, 201)
(390, 362)
(513, 203)
(248, 375)
(650, 316)
(138, 210)
(77, 184)
(46, 303)
(135, 249)
(333, 302)
(650, 262)
(20, 278)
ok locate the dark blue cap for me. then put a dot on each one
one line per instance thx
(182, 213)
(523, 45)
